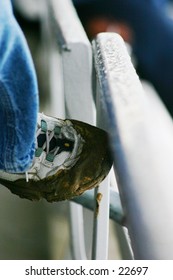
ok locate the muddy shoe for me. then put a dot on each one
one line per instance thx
(70, 158)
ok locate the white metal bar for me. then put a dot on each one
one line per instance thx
(51, 59)
(87, 200)
(101, 221)
(141, 133)
(76, 58)
(76, 53)
(77, 232)
(102, 200)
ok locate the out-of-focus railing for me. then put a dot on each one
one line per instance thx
(141, 133)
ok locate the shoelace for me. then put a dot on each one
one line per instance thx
(48, 135)
(47, 141)
(52, 144)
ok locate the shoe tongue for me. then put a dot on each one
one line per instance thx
(52, 144)
(41, 139)
(63, 144)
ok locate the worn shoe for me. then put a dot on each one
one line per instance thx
(71, 157)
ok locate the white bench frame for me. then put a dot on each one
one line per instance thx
(140, 129)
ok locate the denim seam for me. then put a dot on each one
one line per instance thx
(10, 117)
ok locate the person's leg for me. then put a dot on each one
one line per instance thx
(68, 156)
(18, 95)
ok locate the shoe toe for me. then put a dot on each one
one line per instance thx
(92, 167)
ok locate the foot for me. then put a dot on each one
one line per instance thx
(70, 158)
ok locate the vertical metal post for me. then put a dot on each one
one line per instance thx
(77, 232)
(101, 222)
(102, 198)
(76, 59)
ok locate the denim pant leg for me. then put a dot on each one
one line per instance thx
(18, 95)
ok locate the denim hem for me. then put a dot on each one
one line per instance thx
(9, 147)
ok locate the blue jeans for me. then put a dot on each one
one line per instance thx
(18, 95)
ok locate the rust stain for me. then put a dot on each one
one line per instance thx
(98, 200)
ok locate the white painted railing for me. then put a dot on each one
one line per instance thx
(75, 57)
(141, 133)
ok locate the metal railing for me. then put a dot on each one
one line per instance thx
(140, 129)
(141, 133)
(74, 52)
